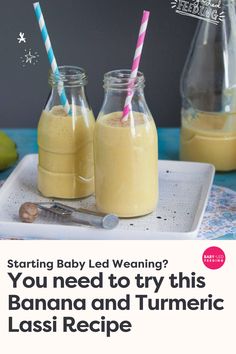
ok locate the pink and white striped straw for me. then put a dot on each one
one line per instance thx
(135, 65)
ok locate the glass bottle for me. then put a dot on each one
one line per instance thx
(126, 181)
(208, 89)
(66, 166)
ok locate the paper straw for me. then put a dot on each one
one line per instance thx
(51, 57)
(135, 66)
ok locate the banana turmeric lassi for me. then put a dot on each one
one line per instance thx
(126, 181)
(211, 138)
(66, 167)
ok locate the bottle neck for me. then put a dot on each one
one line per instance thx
(121, 82)
(117, 85)
(208, 80)
(69, 76)
(74, 80)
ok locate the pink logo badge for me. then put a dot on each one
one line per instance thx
(213, 257)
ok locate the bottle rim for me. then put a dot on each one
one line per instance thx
(120, 80)
(71, 76)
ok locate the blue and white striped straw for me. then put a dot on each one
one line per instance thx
(51, 57)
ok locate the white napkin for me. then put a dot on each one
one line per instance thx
(220, 216)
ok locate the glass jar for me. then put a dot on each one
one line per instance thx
(126, 179)
(66, 166)
(208, 89)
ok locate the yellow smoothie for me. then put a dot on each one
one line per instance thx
(209, 137)
(126, 176)
(66, 166)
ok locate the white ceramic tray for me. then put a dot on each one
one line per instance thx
(184, 191)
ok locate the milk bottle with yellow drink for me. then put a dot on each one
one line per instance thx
(208, 88)
(66, 165)
(126, 181)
